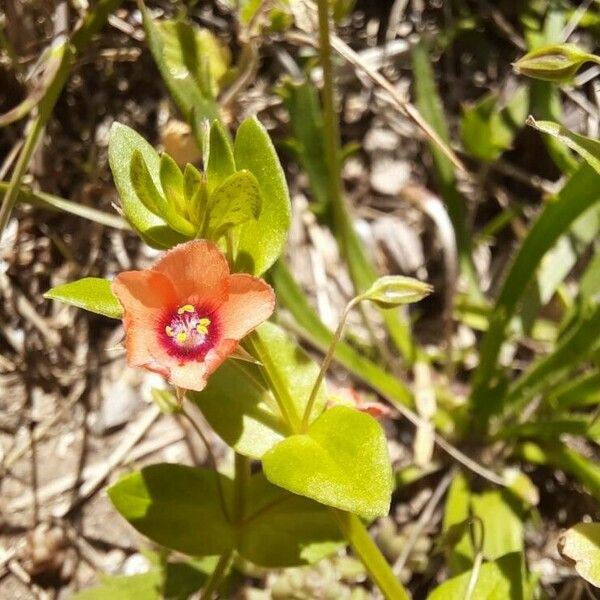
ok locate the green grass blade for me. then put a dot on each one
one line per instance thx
(580, 193)
(430, 105)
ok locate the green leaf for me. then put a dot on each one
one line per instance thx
(284, 530)
(580, 192)
(498, 580)
(581, 391)
(191, 61)
(292, 371)
(302, 102)
(502, 522)
(262, 241)
(567, 355)
(580, 546)
(125, 587)
(430, 106)
(152, 199)
(235, 202)
(122, 144)
(456, 512)
(240, 408)
(488, 129)
(195, 194)
(587, 148)
(220, 164)
(341, 461)
(171, 180)
(90, 293)
(177, 507)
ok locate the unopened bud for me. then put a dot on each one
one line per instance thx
(557, 63)
(394, 290)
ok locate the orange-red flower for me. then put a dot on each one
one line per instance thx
(184, 316)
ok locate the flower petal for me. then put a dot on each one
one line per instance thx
(189, 376)
(196, 268)
(250, 302)
(144, 295)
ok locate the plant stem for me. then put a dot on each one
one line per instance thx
(282, 395)
(369, 554)
(211, 457)
(217, 577)
(337, 336)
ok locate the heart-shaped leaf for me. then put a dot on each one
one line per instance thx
(236, 201)
(178, 507)
(342, 461)
(261, 242)
(90, 293)
(580, 545)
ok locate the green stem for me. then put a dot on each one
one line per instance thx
(365, 548)
(282, 394)
(217, 577)
(92, 23)
(337, 336)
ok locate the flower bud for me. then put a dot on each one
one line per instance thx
(557, 63)
(394, 290)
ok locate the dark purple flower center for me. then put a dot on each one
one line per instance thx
(188, 332)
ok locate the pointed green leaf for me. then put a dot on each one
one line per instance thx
(153, 200)
(171, 180)
(261, 242)
(195, 193)
(341, 461)
(191, 61)
(236, 201)
(580, 546)
(143, 185)
(220, 164)
(177, 507)
(90, 293)
(123, 142)
(587, 148)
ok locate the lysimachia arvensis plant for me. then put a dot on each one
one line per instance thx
(199, 317)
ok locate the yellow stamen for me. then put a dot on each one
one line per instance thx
(203, 329)
(185, 308)
(181, 337)
(204, 322)
(169, 330)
